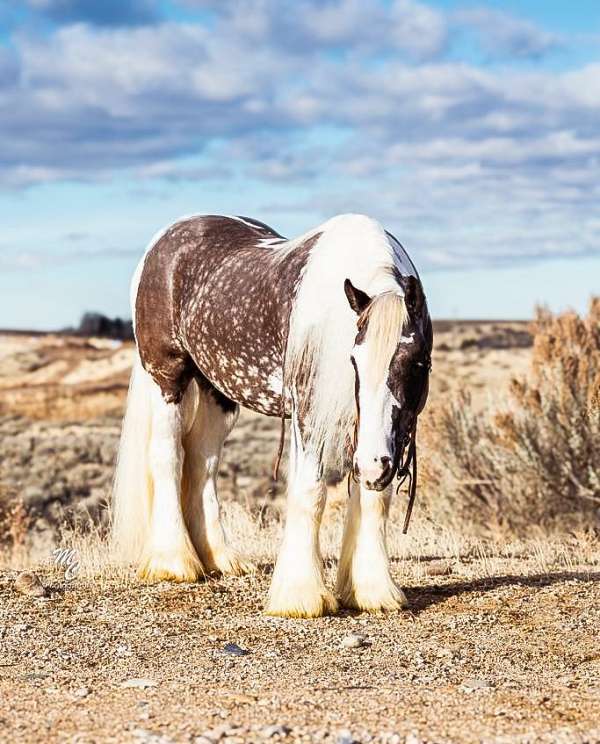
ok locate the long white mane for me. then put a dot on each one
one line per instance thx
(323, 326)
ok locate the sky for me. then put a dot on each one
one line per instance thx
(470, 130)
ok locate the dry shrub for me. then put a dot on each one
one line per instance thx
(536, 463)
(15, 524)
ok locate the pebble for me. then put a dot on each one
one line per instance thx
(438, 569)
(276, 730)
(149, 737)
(29, 584)
(234, 650)
(82, 692)
(139, 683)
(345, 737)
(212, 735)
(354, 640)
(475, 683)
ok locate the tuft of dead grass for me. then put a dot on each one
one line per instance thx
(15, 524)
(537, 460)
(428, 544)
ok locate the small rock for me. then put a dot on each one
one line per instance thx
(234, 650)
(36, 677)
(475, 683)
(345, 737)
(276, 730)
(438, 569)
(139, 683)
(82, 692)
(149, 737)
(29, 584)
(212, 735)
(354, 640)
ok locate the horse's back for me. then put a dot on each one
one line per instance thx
(202, 294)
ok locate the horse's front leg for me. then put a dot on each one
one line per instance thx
(298, 586)
(364, 581)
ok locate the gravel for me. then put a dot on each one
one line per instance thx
(525, 643)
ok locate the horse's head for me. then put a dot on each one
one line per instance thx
(392, 360)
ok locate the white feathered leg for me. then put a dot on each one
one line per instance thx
(203, 447)
(364, 581)
(298, 587)
(168, 552)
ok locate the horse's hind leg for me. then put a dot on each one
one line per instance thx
(298, 587)
(215, 418)
(168, 552)
(364, 581)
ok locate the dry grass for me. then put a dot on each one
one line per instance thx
(451, 550)
(535, 461)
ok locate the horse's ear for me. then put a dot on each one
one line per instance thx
(357, 299)
(413, 295)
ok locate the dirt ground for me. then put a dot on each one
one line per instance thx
(512, 657)
(500, 643)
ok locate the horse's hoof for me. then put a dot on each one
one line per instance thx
(393, 598)
(170, 567)
(300, 604)
(235, 564)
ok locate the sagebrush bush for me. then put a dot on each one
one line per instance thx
(537, 462)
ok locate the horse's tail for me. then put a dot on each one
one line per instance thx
(133, 489)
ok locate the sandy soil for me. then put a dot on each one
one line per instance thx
(509, 657)
(500, 643)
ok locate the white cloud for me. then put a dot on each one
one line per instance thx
(470, 160)
(505, 35)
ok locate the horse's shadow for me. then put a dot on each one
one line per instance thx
(421, 598)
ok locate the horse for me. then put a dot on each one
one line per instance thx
(329, 330)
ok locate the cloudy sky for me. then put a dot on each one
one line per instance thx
(471, 130)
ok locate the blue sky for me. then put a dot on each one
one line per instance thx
(470, 129)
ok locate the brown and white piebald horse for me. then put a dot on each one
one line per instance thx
(330, 329)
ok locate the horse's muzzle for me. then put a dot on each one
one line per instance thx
(385, 478)
(391, 469)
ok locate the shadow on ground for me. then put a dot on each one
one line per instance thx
(422, 598)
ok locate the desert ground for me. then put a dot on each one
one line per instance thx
(500, 643)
